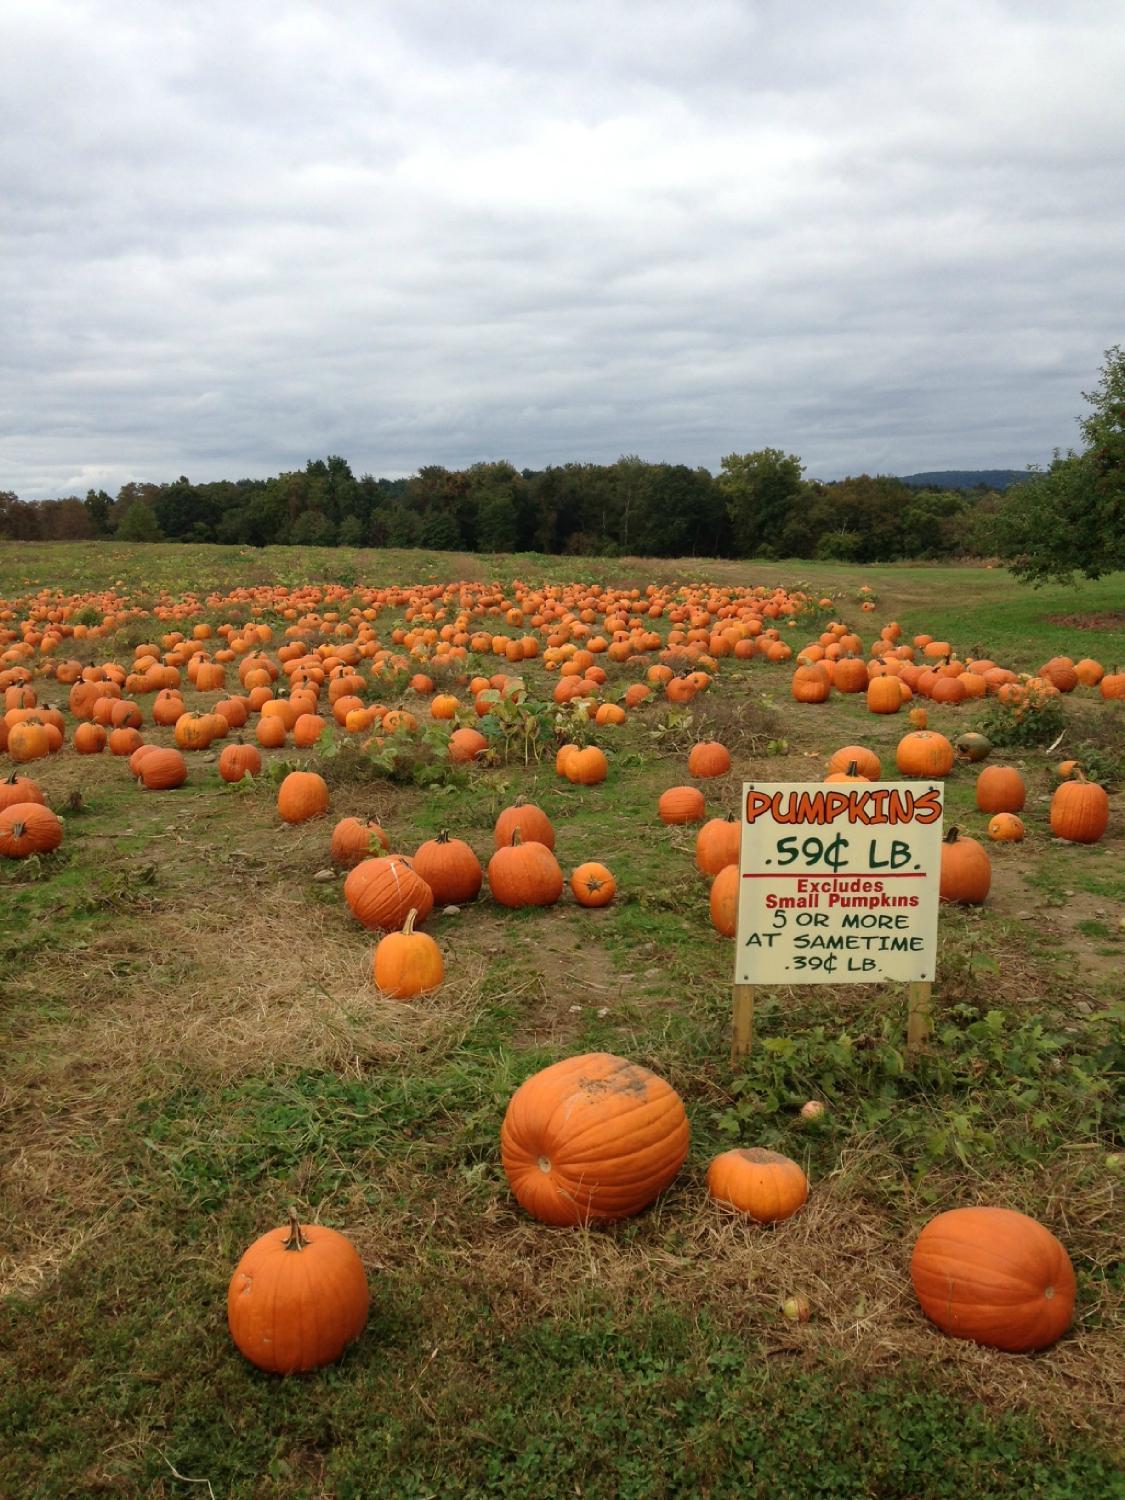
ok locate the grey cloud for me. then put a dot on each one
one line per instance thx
(238, 237)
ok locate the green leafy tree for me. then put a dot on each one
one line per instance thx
(1070, 517)
(759, 489)
(139, 524)
(312, 528)
(351, 532)
(98, 506)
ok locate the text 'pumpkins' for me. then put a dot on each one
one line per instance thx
(592, 1138)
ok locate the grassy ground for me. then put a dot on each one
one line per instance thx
(192, 1041)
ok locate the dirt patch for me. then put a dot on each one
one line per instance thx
(1106, 619)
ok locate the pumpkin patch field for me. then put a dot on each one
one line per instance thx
(369, 1122)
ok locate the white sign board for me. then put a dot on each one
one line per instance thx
(838, 882)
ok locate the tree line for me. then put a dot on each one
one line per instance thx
(1067, 518)
(759, 504)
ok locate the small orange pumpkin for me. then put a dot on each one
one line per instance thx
(966, 870)
(593, 885)
(408, 963)
(301, 796)
(297, 1298)
(764, 1184)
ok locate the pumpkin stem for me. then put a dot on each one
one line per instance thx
(853, 767)
(408, 925)
(951, 836)
(296, 1240)
(443, 836)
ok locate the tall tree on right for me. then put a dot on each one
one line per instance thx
(1070, 517)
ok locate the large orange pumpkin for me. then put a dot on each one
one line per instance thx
(1079, 811)
(381, 893)
(450, 868)
(532, 822)
(681, 804)
(1000, 789)
(966, 870)
(28, 828)
(297, 1298)
(994, 1276)
(591, 1139)
(717, 844)
(525, 873)
(924, 754)
(301, 796)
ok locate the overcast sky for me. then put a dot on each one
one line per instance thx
(883, 236)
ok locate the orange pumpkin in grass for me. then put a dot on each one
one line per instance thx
(587, 767)
(16, 788)
(593, 885)
(592, 1139)
(297, 1298)
(924, 754)
(724, 901)
(966, 870)
(866, 762)
(531, 821)
(1079, 810)
(994, 1276)
(28, 828)
(884, 695)
(301, 796)
(163, 770)
(239, 760)
(381, 893)
(764, 1184)
(465, 745)
(708, 758)
(1000, 789)
(408, 963)
(354, 839)
(89, 738)
(717, 844)
(524, 873)
(681, 804)
(450, 868)
(1005, 828)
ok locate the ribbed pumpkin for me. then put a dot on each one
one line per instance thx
(593, 885)
(16, 788)
(450, 868)
(708, 758)
(408, 963)
(163, 770)
(353, 840)
(994, 1276)
(532, 822)
(884, 695)
(1079, 811)
(681, 804)
(465, 745)
(724, 901)
(966, 870)
(89, 738)
(764, 1184)
(867, 763)
(810, 684)
(297, 1298)
(381, 893)
(717, 844)
(525, 873)
(592, 1139)
(28, 828)
(1000, 789)
(587, 767)
(924, 754)
(301, 796)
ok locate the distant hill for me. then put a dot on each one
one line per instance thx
(965, 479)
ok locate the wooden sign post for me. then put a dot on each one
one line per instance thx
(838, 885)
